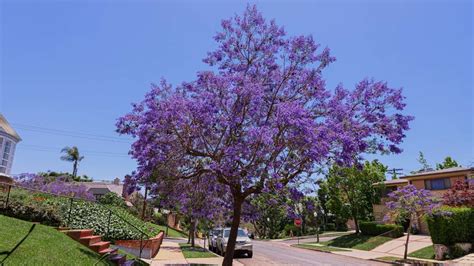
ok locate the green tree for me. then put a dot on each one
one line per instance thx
(270, 214)
(447, 163)
(71, 154)
(352, 193)
(424, 163)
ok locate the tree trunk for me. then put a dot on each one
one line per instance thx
(356, 223)
(229, 251)
(74, 169)
(408, 238)
(144, 203)
(193, 229)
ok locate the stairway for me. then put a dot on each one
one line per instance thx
(95, 243)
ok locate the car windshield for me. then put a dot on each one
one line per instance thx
(240, 233)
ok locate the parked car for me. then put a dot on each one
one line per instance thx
(213, 234)
(243, 243)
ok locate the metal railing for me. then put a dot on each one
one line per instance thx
(8, 187)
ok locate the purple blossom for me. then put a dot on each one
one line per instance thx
(57, 186)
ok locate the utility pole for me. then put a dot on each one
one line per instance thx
(144, 203)
(395, 172)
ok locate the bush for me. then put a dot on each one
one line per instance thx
(452, 225)
(111, 198)
(341, 227)
(86, 215)
(374, 229)
(32, 213)
(330, 227)
(292, 228)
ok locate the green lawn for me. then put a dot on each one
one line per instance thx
(319, 248)
(424, 253)
(196, 252)
(171, 232)
(42, 246)
(389, 259)
(357, 241)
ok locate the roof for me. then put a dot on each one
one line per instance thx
(393, 182)
(98, 186)
(441, 171)
(7, 128)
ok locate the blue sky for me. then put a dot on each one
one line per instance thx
(71, 68)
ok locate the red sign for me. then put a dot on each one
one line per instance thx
(297, 222)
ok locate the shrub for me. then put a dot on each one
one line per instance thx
(87, 215)
(330, 227)
(374, 229)
(111, 198)
(452, 225)
(341, 227)
(32, 213)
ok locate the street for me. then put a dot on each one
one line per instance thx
(281, 253)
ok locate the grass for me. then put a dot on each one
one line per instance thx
(171, 232)
(44, 245)
(389, 259)
(424, 253)
(319, 248)
(196, 252)
(357, 241)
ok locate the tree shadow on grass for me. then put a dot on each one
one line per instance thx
(17, 245)
(348, 241)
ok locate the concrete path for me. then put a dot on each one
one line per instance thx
(397, 246)
(466, 260)
(170, 254)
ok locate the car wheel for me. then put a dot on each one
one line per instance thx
(250, 254)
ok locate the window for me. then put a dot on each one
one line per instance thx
(438, 184)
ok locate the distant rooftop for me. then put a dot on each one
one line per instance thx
(104, 185)
(7, 128)
(392, 182)
(441, 171)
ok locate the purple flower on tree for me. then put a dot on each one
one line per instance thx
(260, 115)
(410, 203)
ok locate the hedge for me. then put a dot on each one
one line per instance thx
(452, 225)
(374, 229)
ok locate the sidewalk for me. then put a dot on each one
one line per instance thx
(170, 254)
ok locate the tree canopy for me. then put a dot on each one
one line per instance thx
(260, 116)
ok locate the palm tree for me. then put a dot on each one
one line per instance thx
(72, 155)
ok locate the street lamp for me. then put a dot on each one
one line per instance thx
(317, 226)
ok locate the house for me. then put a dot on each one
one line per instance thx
(99, 189)
(437, 181)
(8, 140)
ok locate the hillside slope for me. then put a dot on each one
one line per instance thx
(23, 244)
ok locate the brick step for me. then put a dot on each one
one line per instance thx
(77, 234)
(100, 246)
(118, 259)
(89, 240)
(108, 250)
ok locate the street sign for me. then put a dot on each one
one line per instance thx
(297, 222)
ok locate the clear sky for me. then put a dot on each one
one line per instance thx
(69, 69)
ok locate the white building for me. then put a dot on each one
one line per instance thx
(8, 140)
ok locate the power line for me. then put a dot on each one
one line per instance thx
(57, 150)
(74, 134)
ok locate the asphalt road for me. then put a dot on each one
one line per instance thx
(281, 253)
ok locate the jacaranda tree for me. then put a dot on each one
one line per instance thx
(410, 203)
(261, 115)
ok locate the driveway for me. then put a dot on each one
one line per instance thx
(397, 246)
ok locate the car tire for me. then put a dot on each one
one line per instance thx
(249, 255)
